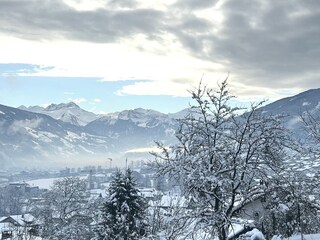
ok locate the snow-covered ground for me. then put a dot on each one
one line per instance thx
(306, 237)
(44, 183)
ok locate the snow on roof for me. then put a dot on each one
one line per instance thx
(170, 201)
(22, 220)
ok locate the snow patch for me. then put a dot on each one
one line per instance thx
(255, 234)
(306, 104)
(293, 121)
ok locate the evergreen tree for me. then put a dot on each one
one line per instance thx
(124, 210)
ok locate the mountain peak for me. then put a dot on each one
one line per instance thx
(54, 107)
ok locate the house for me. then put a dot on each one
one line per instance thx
(17, 225)
(150, 193)
(24, 189)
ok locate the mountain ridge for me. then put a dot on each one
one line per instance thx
(67, 112)
(41, 138)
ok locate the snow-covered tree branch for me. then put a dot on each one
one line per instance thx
(224, 159)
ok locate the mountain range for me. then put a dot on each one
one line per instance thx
(65, 134)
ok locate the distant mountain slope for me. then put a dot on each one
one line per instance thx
(66, 112)
(28, 138)
(293, 107)
(131, 127)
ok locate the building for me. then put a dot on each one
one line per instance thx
(17, 225)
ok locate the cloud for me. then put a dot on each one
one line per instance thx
(265, 45)
(196, 4)
(22, 125)
(54, 19)
(78, 100)
(156, 88)
(44, 105)
(268, 44)
(97, 100)
(17, 69)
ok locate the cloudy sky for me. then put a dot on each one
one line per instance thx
(110, 55)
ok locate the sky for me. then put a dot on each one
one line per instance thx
(111, 55)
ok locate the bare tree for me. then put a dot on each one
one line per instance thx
(65, 210)
(223, 158)
(167, 218)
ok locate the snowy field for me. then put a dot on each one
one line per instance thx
(46, 183)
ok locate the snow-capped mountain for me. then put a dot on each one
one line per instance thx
(130, 127)
(141, 117)
(66, 112)
(67, 133)
(36, 139)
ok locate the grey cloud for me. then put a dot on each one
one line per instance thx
(37, 19)
(195, 4)
(267, 43)
(192, 32)
(124, 3)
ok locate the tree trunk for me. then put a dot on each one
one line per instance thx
(222, 234)
(300, 222)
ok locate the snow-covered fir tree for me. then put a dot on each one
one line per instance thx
(123, 213)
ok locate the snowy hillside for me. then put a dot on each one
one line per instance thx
(308, 100)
